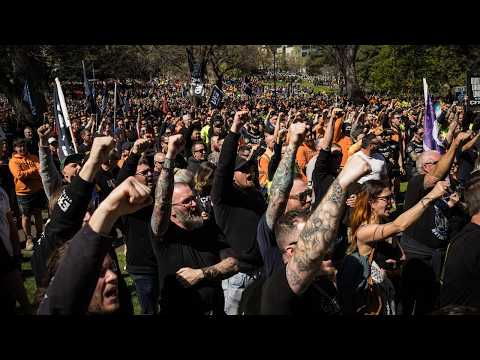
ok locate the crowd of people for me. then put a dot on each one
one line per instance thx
(281, 204)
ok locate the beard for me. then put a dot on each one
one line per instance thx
(191, 220)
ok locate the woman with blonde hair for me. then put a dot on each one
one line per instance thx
(364, 286)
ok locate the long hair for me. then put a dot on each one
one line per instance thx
(363, 210)
(204, 177)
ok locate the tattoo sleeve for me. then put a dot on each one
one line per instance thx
(224, 269)
(315, 239)
(163, 198)
(281, 185)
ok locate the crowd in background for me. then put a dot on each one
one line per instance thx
(288, 203)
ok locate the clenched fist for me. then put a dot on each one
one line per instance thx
(176, 144)
(297, 134)
(44, 132)
(101, 148)
(239, 120)
(140, 146)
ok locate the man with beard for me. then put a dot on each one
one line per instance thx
(187, 250)
(140, 260)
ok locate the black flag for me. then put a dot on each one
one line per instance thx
(64, 143)
(89, 93)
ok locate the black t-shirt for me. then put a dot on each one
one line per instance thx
(196, 249)
(105, 181)
(462, 269)
(279, 299)
(267, 244)
(431, 229)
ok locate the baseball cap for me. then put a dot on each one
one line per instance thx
(242, 164)
(73, 158)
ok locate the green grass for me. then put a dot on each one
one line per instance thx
(30, 285)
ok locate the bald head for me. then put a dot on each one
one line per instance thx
(427, 160)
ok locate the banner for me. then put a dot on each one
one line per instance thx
(430, 125)
(216, 97)
(28, 99)
(473, 91)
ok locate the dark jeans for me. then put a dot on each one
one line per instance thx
(146, 286)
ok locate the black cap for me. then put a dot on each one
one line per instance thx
(242, 163)
(127, 146)
(73, 158)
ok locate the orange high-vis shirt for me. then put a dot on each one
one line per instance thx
(26, 174)
(345, 144)
(304, 155)
(263, 167)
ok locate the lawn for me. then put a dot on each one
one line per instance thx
(31, 287)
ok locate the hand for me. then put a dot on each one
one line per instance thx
(140, 146)
(176, 144)
(297, 134)
(101, 148)
(127, 198)
(355, 168)
(462, 137)
(43, 133)
(453, 200)
(189, 277)
(351, 201)
(439, 189)
(239, 120)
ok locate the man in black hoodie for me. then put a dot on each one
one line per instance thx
(238, 207)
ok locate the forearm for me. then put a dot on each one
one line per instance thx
(443, 166)
(222, 182)
(223, 270)
(89, 170)
(316, 237)
(163, 197)
(406, 219)
(51, 178)
(274, 161)
(472, 142)
(281, 185)
(327, 139)
(129, 168)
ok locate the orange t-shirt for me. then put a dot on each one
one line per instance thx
(263, 167)
(345, 142)
(304, 155)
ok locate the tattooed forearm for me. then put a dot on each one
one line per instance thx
(281, 185)
(224, 269)
(315, 238)
(163, 198)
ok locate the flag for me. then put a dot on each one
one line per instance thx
(123, 102)
(64, 143)
(89, 93)
(104, 105)
(430, 125)
(216, 97)
(28, 99)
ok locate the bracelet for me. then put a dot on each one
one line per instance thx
(168, 164)
(421, 201)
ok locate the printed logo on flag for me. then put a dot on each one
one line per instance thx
(216, 97)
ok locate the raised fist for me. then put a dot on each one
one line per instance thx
(101, 148)
(239, 120)
(140, 146)
(439, 189)
(43, 133)
(355, 168)
(297, 133)
(175, 145)
(127, 198)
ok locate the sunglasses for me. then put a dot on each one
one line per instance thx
(302, 197)
(386, 198)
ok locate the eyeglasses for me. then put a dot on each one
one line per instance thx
(302, 197)
(186, 202)
(431, 163)
(145, 173)
(386, 198)
(159, 162)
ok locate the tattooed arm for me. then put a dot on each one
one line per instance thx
(222, 270)
(283, 179)
(321, 228)
(162, 208)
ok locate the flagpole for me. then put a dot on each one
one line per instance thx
(63, 105)
(114, 106)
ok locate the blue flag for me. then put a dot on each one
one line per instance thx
(28, 99)
(104, 105)
(89, 94)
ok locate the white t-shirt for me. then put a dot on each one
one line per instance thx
(309, 173)
(377, 163)
(4, 226)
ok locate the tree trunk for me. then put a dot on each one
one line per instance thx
(345, 56)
